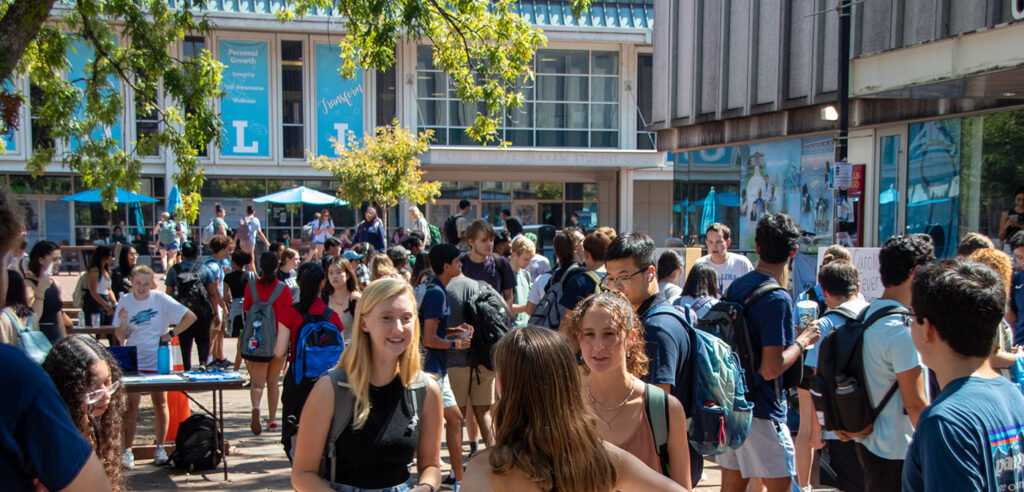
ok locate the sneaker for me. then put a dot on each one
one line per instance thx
(448, 480)
(273, 427)
(224, 364)
(128, 459)
(160, 456)
(254, 422)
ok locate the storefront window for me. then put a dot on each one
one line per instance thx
(888, 187)
(933, 182)
(992, 168)
(235, 188)
(537, 191)
(460, 189)
(43, 185)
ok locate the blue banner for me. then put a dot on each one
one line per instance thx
(245, 108)
(10, 140)
(79, 55)
(339, 102)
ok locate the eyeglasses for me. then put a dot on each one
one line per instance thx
(96, 395)
(908, 318)
(608, 281)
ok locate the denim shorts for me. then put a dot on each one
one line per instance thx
(402, 487)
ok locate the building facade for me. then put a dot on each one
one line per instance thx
(936, 93)
(580, 144)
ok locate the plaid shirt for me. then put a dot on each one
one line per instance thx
(362, 274)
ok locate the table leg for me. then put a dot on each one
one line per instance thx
(219, 396)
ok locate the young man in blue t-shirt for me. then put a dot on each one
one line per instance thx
(768, 451)
(630, 266)
(972, 436)
(434, 311)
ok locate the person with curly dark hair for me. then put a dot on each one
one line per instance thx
(88, 379)
(609, 337)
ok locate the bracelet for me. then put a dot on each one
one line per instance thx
(431, 487)
(798, 344)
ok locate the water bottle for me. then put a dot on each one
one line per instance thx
(81, 318)
(163, 359)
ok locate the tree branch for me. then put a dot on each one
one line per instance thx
(20, 26)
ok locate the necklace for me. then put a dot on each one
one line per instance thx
(632, 389)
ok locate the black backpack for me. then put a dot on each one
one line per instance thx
(490, 320)
(839, 388)
(190, 291)
(196, 446)
(726, 320)
(451, 229)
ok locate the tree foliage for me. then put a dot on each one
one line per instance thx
(381, 169)
(484, 46)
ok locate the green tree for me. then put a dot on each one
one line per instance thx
(381, 169)
(484, 46)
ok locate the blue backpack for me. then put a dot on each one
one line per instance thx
(720, 415)
(317, 347)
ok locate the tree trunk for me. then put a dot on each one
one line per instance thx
(20, 25)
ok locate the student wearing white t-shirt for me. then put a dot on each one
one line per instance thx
(142, 320)
(728, 266)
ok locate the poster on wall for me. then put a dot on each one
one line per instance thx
(79, 55)
(788, 177)
(245, 107)
(339, 102)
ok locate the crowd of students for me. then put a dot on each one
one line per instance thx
(596, 363)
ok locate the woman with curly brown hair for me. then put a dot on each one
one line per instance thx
(89, 381)
(546, 437)
(607, 333)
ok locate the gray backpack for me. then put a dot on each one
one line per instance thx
(344, 404)
(259, 335)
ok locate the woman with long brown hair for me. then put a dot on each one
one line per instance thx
(609, 336)
(341, 292)
(387, 428)
(89, 381)
(546, 436)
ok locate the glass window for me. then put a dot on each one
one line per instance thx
(460, 189)
(147, 125)
(581, 191)
(562, 61)
(496, 190)
(605, 62)
(644, 101)
(933, 178)
(992, 169)
(888, 187)
(43, 185)
(292, 134)
(234, 188)
(492, 211)
(41, 138)
(537, 191)
(386, 96)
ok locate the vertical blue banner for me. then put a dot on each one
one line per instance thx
(339, 102)
(10, 139)
(79, 55)
(245, 108)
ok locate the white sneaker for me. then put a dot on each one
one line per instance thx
(128, 459)
(160, 456)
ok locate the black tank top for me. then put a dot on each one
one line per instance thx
(378, 455)
(1011, 230)
(52, 307)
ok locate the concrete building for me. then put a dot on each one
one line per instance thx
(936, 97)
(579, 143)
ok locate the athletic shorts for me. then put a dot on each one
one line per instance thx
(767, 453)
(447, 397)
(475, 386)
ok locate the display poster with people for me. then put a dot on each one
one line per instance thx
(789, 177)
(245, 107)
(339, 102)
(80, 54)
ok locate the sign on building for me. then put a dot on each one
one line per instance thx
(245, 108)
(339, 102)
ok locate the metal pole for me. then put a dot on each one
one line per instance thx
(842, 101)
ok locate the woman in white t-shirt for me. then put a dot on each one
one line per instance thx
(142, 320)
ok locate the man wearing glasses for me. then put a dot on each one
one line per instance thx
(890, 356)
(631, 270)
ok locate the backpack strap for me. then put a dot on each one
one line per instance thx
(597, 280)
(15, 323)
(842, 311)
(760, 291)
(343, 407)
(277, 292)
(656, 406)
(253, 292)
(883, 312)
(415, 393)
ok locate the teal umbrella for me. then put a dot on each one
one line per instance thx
(122, 196)
(710, 214)
(174, 200)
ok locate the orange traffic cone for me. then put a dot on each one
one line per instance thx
(176, 361)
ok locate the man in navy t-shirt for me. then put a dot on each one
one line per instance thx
(630, 265)
(972, 436)
(434, 311)
(38, 440)
(768, 452)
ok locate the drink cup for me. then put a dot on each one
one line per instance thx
(806, 311)
(97, 318)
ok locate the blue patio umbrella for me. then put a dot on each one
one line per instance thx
(122, 196)
(174, 199)
(301, 195)
(710, 214)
